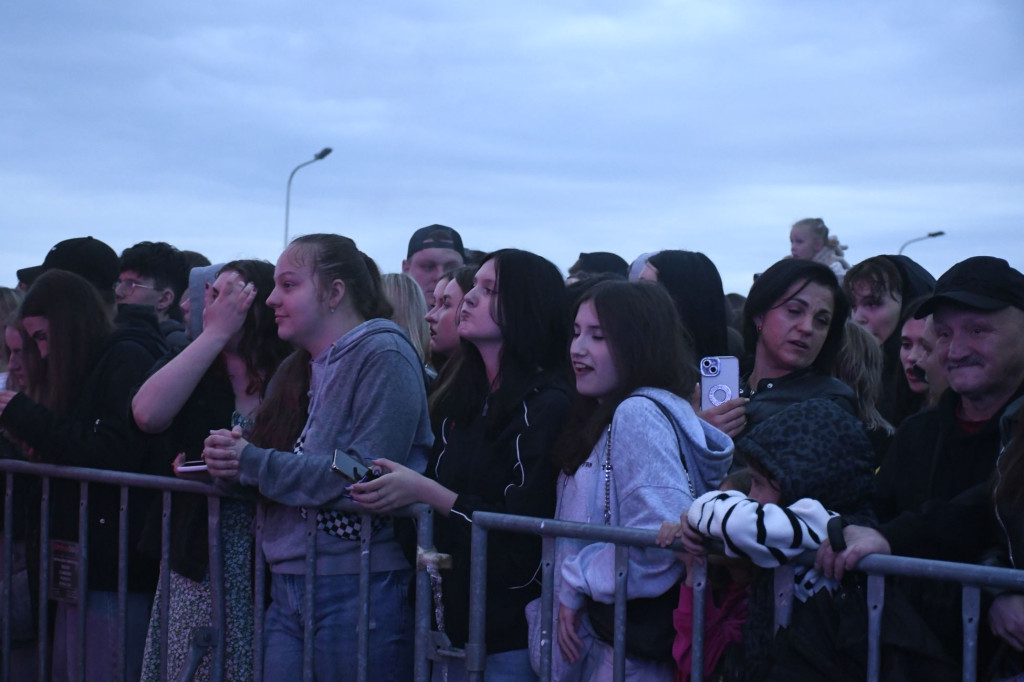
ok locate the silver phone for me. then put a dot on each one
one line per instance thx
(719, 380)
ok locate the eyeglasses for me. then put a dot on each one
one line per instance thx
(129, 285)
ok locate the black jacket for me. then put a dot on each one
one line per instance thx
(512, 474)
(774, 395)
(96, 433)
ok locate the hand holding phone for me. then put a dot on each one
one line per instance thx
(719, 380)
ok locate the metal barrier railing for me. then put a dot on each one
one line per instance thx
(166, 485)
(876, 566)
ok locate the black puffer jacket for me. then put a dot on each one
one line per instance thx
(774, 395)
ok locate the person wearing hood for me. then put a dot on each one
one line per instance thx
(808, 464)
(366, 400)
(633, 454)
(881, 289)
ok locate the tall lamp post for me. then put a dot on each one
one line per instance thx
(930, 235)
(288, 193)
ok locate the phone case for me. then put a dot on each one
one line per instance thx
(719, 380)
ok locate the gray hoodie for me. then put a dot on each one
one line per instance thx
(367, 398)
(648, 486)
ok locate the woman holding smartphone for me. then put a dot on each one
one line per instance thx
(793, 324)
(500, 407)
(367, 401)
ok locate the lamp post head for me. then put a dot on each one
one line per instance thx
(322, 153)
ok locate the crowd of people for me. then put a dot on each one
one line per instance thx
(877, 411)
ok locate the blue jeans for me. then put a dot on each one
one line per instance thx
(101, 640)
(336, 616)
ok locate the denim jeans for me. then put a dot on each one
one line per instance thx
(336, 617)
(101, 639)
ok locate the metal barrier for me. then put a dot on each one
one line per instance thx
(876, 566)
(212, 638)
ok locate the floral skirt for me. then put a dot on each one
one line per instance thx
(191, 606)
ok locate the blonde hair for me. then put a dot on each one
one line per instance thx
(9, 300)
(859, 366)
(410, 306)
(819, 229)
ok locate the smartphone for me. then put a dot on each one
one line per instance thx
(719, 380)
(193, 465)
(351, 468)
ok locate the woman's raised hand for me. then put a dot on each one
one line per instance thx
(225, 312)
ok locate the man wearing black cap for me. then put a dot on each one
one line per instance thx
(85, 256)
(433, 251)
(934, 484)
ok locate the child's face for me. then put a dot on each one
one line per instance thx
(762, 490)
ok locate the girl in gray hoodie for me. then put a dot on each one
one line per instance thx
(633, 451)
(366, 400)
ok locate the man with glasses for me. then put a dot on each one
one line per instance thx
(155, 274)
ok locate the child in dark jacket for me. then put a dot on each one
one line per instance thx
(808, 464)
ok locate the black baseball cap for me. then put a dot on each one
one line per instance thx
(85, 256)
(981, 282)
(435, 237)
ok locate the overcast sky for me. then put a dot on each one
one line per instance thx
(553, 126)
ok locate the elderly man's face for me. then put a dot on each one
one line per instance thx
(983, 351)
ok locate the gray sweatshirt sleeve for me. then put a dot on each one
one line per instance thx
(384, 422)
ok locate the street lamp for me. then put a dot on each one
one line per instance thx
(288, 193)
(930, 235)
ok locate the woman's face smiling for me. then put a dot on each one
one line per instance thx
(793, 331)
(591, 355)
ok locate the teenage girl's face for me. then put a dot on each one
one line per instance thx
(443, 318)
(38, 329)
(917, 341)
(298, 310)
(591, 355)
(803, 244)
(793, 331)
(762, 490)
(476, 320)
(878, 314)
(15, 354)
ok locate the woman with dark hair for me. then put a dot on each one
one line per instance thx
(696, 288)
(79, 417)
(793, 325)
(633, 453)
(366, 400)
(218, 379)
(499, 413)
(880, 289)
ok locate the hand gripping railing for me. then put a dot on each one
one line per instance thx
(877, 567)
(216, 634)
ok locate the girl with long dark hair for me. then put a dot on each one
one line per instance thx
(501, 406)
(633, 453)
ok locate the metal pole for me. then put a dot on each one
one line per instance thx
(288, 192)
(930, 235)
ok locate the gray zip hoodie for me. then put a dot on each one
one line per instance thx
(648, 486)
(367, 399)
